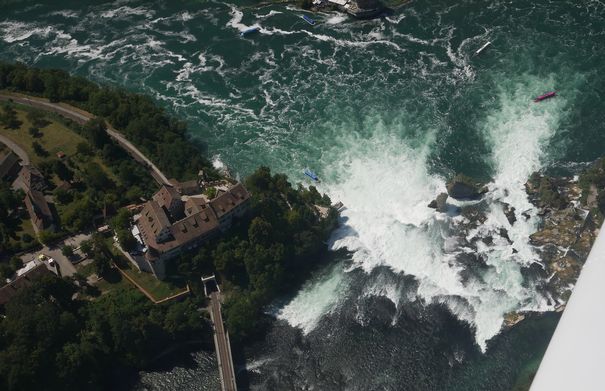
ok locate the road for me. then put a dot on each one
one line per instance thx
(82, 117)
(66, 268)
(15, 148)
(221, 342)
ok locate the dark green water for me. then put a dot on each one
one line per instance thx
(384, 111)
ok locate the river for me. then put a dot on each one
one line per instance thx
(384, 111)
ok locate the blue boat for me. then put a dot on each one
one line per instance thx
(311, 174)
(249, 31)
(309, 20)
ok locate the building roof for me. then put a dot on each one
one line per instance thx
(188, 187)
(23, 280)
(229, 200)
(9, 164)
(166, 196)
(169, 199)
(194, 226)
(200, 218)
(31, 178)
(153, 220)
(195, 205)
(38, 209)
(183, 231)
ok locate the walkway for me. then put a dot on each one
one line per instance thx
(575, 357)
(222, 345)
(16, 149)
(81, 117)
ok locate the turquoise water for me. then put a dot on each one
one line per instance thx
(384, 111)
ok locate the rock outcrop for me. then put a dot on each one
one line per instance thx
(462, 187)
(439, 203)
(509, 212)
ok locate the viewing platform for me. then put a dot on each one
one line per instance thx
(221, 336)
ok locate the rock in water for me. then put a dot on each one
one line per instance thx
(462, 187)
(509, 212)
(442, 202)
(504, 234)
(439, 203)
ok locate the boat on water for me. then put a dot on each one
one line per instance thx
(311, 174)
(249, 31)
(548, 95)
(482, 48)
(309, 20)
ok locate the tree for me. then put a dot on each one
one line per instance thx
(67, 250)
(47, 236)
(39, 149)
(122, 220)
(242, 313)
(62, 171)
(83, 148)
(126, 240)
(37, 118)
(96, 131)
(9, 117)
(86, 247)
(34, 132)
(259, 231)
(95, 177)
(102, 264)
(63, 196)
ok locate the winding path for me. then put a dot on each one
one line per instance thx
(81, 117)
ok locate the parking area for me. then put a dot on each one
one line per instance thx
(65, 265)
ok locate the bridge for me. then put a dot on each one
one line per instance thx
(221, 336)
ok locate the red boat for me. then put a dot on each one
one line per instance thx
(545, 96)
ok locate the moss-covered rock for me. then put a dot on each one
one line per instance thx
(549, 195)
(462, 187)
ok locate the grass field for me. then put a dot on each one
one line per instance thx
(156, 288)
(54, 138)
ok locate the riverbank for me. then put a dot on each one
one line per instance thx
(262, 256)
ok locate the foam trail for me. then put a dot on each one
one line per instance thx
(317, 298)
(338, 19)
(517, 131)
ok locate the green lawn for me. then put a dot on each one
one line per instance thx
(111, 282)
(158, 289)
(25, 227)
(55, 137)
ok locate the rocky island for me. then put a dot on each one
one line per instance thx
(570, 210)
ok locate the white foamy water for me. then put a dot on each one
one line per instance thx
(385, 185)
(336, 19)
(317, 298)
